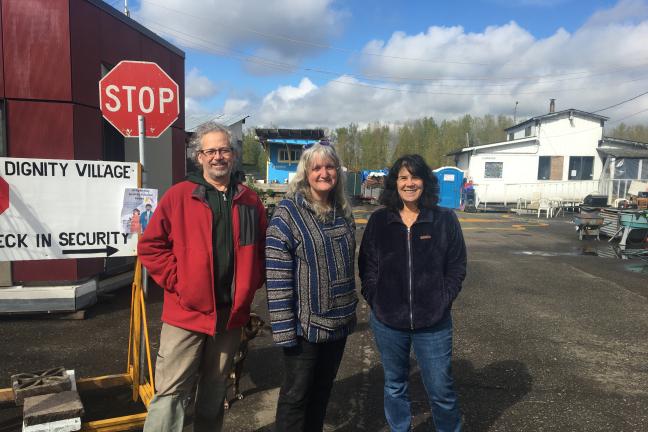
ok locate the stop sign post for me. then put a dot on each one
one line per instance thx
(137, 96)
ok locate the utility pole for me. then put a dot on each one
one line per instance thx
(126, 11)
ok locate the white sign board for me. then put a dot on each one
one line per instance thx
(64, 209)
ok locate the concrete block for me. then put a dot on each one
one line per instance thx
(30, 384)
(52, 407)
(68, 425)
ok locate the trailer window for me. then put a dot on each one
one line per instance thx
(550, 167)
(493, 169)
(581, 167)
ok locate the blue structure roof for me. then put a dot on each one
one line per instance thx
(292, 141)
(284, 148)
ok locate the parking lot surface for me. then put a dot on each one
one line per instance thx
(550, 335)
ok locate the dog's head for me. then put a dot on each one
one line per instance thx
(253, 326)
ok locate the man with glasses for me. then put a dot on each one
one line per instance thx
(205, 246)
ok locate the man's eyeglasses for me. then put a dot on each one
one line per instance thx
(323, 142)
(223, 151)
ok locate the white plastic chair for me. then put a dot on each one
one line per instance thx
(557, 206)
(544, 204)
(522, 203)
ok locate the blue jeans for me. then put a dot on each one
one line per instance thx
(433, 349)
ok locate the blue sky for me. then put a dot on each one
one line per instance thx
(325, 63)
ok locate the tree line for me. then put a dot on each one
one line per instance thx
(632, 132)
(378, 145)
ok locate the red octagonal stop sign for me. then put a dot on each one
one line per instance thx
(4, 195)
(135, 88)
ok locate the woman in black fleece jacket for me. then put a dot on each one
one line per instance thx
(412, 263)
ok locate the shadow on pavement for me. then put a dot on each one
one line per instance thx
(357, 402)
(486, 393)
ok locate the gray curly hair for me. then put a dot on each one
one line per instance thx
(204, 129)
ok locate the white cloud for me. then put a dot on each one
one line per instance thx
(236, 108)
(283, 31)
(625, 11)
(446, 72)
(198, 86)
(287, 94)
(197, 112)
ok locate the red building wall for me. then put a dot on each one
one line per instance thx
(1, 56)
(36, 53)
(52, 53)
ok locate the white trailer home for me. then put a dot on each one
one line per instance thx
(552, 156)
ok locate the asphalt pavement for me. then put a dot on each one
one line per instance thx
(550, 335)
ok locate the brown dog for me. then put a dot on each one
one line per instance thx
(250, 331)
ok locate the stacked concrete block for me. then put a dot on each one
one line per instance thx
(49, 399)
(30, 384)
(52, 407)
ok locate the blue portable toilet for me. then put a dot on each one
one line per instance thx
(450, 181)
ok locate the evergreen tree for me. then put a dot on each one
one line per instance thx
(253, 158)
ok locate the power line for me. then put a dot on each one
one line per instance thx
(309, 43)
(226, 52)
(630, 115)
(204, 118)
(597, 127)
(621, 103)
(285, 66)
(327, 46)
(584, 74)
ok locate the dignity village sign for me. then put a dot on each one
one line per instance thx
(53, 209)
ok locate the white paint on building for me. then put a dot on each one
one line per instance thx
(545, 150)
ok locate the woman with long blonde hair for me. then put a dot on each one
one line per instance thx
(310, 254)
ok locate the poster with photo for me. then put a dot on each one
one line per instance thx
(137, 209)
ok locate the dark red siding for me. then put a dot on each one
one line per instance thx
(39, 129)
(89, 267)
(36, 49)
(52, 52)
(62, 270)
(178, 154)
(2, 92)
(177, 72)
(44, 270)
(85, 52)
(118, 41)
(87, 133)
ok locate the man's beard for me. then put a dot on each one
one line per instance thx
(219, 171)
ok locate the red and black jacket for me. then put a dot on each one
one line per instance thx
(177, 250)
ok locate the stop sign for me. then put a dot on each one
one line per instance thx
(134, 88)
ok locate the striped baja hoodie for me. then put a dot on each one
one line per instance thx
(310, 274)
